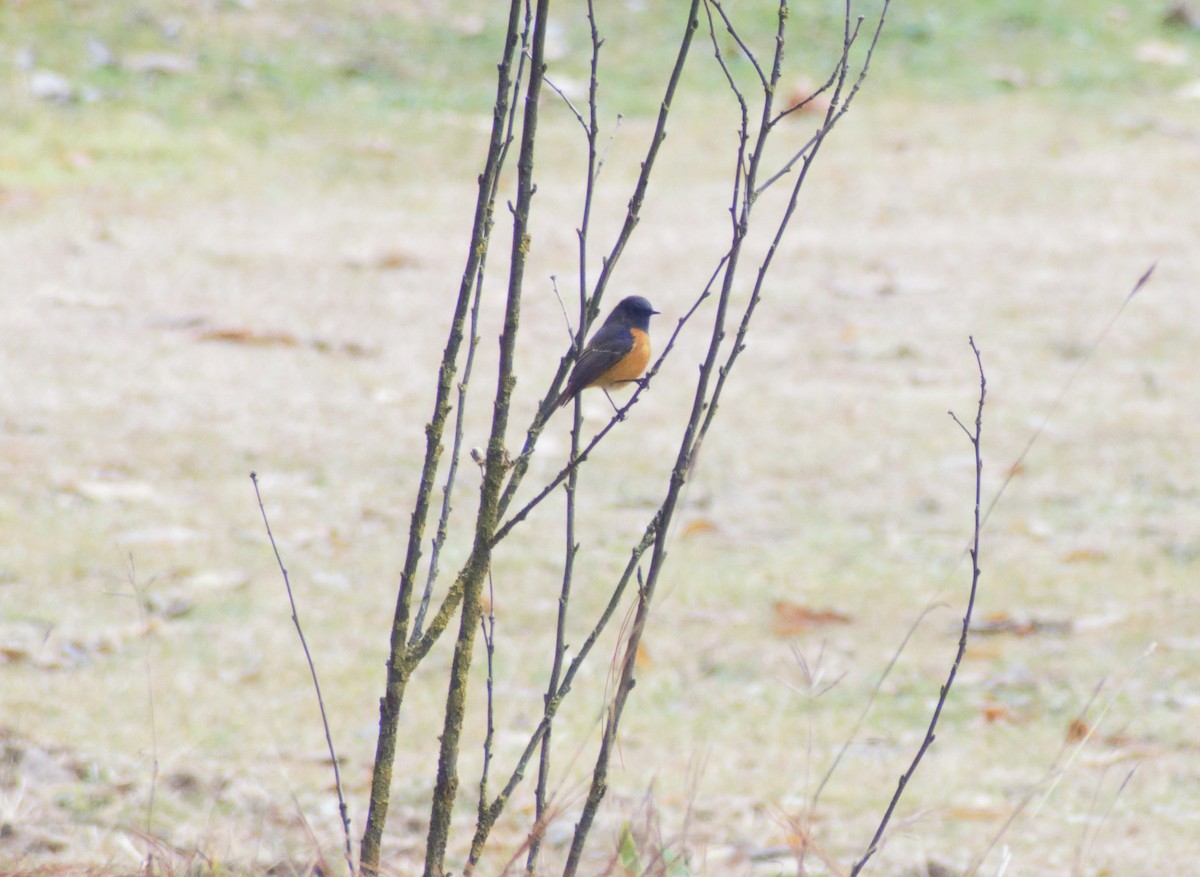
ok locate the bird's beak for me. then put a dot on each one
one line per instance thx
(653, 312)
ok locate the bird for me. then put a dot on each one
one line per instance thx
(617, 354)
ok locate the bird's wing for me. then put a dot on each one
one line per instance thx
(607, 347)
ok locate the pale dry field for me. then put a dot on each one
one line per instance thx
(161, 342)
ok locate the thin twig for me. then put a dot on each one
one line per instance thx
(578, 115)
(944, 694)
(762, 77)
(460, 415)
(312, 669)
(563, 306)
(591, 128)
(801, 104)
(541, 801)
(607, 146)
(551, 706)
(488, 629)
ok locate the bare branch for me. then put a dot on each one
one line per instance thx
(837, 109)
(488, 630)
(762, 77)
(944, 694)
(541, 801)
(801, 104)
(566, 100)
(312, 669)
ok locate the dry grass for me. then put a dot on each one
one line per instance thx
(836, 480)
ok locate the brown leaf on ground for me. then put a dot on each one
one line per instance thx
(997, 712)
(254, 338)
(251, 337)
(792, 619)
(803, 98)
(1084, 555)
(1078, 731)
(390, 260)
(1002, 623)
(699, 526)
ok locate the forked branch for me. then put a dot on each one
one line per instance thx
(975, 437)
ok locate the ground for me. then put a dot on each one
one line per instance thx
(282, 309)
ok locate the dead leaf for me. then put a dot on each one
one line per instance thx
(14, 654)
(1002, 623)
(803, 98)
(250, 336)
(699, 526)
(792, 619)
(255, 338)
(1078, 731)
(642, 659)
(390, 260)
(998, 712)
(1084, 555)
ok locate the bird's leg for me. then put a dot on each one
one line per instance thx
(611, 402)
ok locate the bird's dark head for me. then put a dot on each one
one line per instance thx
(634, 311)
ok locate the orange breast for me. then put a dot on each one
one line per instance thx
(631, 365)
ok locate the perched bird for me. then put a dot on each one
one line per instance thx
(617, 354)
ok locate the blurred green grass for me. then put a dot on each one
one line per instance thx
(256, 77)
